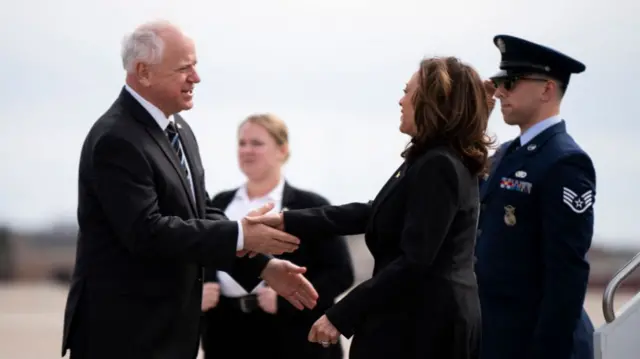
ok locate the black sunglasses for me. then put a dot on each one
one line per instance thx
(510, 82)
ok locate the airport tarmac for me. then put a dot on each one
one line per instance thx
(31, 318)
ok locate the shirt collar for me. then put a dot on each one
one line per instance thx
(154, 111)
(275, 194)
(538, 128)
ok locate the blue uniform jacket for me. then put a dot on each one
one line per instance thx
(534, 231)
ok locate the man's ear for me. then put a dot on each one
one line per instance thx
(143, 73)
(550, 91)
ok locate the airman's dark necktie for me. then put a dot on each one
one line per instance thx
(514, 145)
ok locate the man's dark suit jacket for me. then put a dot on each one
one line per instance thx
(422, 300)
(142, 243)
(329, 269)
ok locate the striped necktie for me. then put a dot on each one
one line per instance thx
(174, 139)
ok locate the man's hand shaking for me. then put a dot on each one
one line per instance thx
(264, 233)
(286, 279)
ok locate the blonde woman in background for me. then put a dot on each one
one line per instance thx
(243, 309)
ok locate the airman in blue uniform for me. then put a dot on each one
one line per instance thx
(536, 221)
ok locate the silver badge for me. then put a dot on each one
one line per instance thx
(531, 147)
(521, 174)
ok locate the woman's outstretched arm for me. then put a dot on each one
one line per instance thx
(347, 219)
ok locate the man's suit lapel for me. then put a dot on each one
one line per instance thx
(160, 139)
(189, 152)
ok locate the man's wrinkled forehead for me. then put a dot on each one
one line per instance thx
(178, 47)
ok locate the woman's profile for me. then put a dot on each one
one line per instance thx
(422, 299)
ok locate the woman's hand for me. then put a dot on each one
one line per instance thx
(324, 332)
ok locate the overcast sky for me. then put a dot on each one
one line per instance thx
(333, 70)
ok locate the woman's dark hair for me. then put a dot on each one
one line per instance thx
(451, 109)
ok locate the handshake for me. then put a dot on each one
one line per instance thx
(264, 233)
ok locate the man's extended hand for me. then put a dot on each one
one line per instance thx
(287, 280)
(256, 212)
(274, 220)
(260, 237)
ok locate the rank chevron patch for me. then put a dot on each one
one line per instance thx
(578, 204)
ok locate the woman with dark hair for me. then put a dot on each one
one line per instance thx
(422, 300)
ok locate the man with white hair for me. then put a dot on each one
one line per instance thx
(145, 224)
